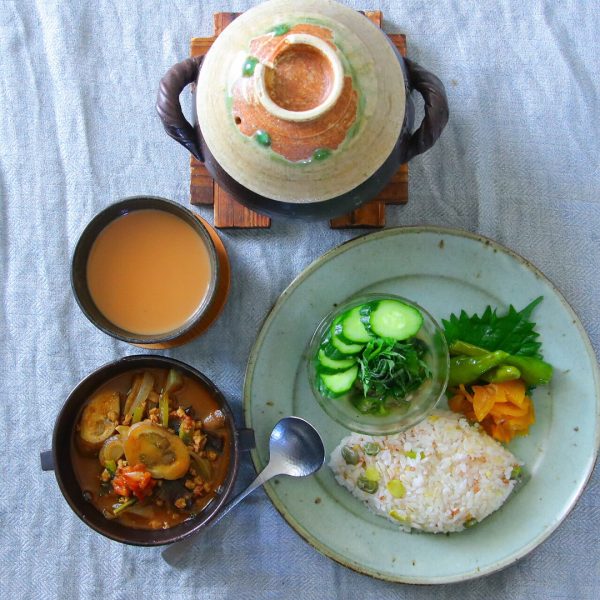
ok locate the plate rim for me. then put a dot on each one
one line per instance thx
(280, 507)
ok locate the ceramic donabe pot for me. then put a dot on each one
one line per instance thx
(302, 108)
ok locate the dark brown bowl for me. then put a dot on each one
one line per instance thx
(59, 458)
(79, 271)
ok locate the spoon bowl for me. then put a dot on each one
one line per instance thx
(296, 448)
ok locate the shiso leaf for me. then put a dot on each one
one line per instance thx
(513, 332)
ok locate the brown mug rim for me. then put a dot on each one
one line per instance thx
(63, 466)
(89, 235)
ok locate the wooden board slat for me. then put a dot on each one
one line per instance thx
(201, 184)
(230, 213)
(371, 214)
(375, 16)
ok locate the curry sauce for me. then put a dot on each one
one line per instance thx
(187, 461)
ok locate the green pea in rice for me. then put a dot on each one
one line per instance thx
(442, 475)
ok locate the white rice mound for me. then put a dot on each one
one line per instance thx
(452, 474)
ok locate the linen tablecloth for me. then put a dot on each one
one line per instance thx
(519, 162)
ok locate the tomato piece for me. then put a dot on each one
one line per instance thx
(120, 485)
(136, 480)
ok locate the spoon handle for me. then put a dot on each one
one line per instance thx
(175, 552)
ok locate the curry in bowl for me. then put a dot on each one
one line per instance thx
(151, 448)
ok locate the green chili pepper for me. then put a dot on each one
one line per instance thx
(533, 370)
(467, 369)
(502, 373)
(459, 348)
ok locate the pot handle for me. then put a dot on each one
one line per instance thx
(47, 460)
(436, 110)
(168, 106)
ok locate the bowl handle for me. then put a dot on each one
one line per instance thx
(168, 106)
(47, 460)
(246, 439)
(436, 110)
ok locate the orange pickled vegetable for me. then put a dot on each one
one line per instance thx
(502, 409)
(509, 409)
(514, 391)
(484, 399)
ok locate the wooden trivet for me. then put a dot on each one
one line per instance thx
(228, 213)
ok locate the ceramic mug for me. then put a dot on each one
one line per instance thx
(205, 314)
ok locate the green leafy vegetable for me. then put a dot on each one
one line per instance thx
(388, 371)
(513, 332)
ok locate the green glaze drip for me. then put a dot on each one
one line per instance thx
(321, 154)
(262, 137)
(353, 130)
(249, 66)
(280, 29)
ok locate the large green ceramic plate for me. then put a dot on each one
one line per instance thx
(443, 270)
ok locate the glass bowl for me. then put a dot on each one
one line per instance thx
(418, 403)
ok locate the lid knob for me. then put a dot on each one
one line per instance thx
(305, 81)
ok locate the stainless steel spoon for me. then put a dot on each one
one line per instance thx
(295, 449)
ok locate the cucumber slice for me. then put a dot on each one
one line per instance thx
(340, 382)
(392, 319)
(344, 348)
(331, 363)
(330, 351)
(353, 328)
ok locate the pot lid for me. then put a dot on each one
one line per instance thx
(301, 101)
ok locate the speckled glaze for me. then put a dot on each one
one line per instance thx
(443, 270)
(310, 168)
(300, 80)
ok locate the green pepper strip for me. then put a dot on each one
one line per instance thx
(119, 508)
(533, 370)
(501, 374)
(163, 407)
(468, 369)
